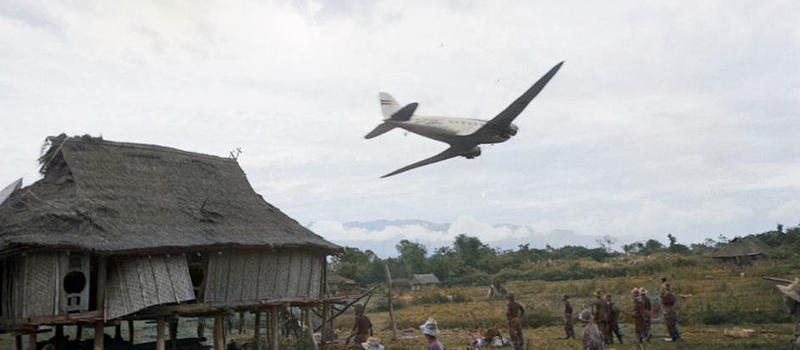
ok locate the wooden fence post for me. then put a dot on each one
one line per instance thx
(389, 299)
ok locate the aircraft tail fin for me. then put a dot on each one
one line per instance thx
(379, 130)
(405, 113)
(388, 105)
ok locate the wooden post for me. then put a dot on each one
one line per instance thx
(241, 322)
(61, 343)
(99, 333)
(160, 334)
(130, 331)
(307, 314)
(173, 335)
(389, 299)
(18, 341)
(32, 340)
(273, 325)
(219, 331)
(327, 328)
(201, 327)
(118, 333)
(257, 330)
(78, 332)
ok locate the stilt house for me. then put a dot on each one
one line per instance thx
(122, 231)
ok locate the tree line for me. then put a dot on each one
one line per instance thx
(469, 261)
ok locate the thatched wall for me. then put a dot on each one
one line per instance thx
(135, 283)
(262, 275)
(32, 285)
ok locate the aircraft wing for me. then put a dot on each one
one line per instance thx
(451, 152)
(501, 122)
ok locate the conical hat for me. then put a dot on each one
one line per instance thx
(792, 290)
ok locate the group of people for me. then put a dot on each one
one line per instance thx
(603, 317)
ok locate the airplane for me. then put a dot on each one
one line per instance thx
(462, 134)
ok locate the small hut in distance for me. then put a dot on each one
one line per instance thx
(122, 231)
(421, 281)
(742, 251)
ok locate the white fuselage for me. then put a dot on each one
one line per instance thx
(448, 129)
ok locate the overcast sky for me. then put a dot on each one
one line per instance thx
(667, 117)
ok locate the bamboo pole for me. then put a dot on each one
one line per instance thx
(241, 322)
(160, 334)
(99, 332)
(173, 335)
(61, 343)
(219, 331)
(257, 330)
(18, 341)
(32, 340)
(78, 332)
(389, 299)
(307, 315)
(130, 331)
(201, 327)
(273, 323)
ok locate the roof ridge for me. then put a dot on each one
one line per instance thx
(149, 147)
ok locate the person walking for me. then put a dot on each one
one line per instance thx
(601, 316)
(668, 300)
(569, 328)
(639, 316)
(613, 320)
(515, 314)
(648, 311)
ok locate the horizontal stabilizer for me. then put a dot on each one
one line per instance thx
(379, 130)
(405, 113)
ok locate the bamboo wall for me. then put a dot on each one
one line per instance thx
(262, 275)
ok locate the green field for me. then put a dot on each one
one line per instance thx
(714, 299)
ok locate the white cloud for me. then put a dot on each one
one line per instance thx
(666, 118)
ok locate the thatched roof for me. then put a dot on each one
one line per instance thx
(427, 278)
(742, 248)
(113, 197)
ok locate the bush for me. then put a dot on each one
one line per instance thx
(436, 297)
(538, 317)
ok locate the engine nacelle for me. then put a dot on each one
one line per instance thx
(472, 153)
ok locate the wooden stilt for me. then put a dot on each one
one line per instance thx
(99, 335)
(79, 332)
(160, 334)
(241, 322)
(310, 327)
(18, 341)
(326, 329)
(257, 331)
(118, 333)
(273, 325)
(61, 342)
(219, 331)
(32, 341)
(173, 335)
(130, 331)
(201, 327)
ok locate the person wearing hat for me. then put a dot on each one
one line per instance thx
(601, 315)
(431, 330)
(648, 307)
(791, 298)
(569, 329)
(592, 336)
(515, 314)
(638, 315)
(668, 301)
(362, 326)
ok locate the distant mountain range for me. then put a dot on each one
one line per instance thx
(381, 236)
